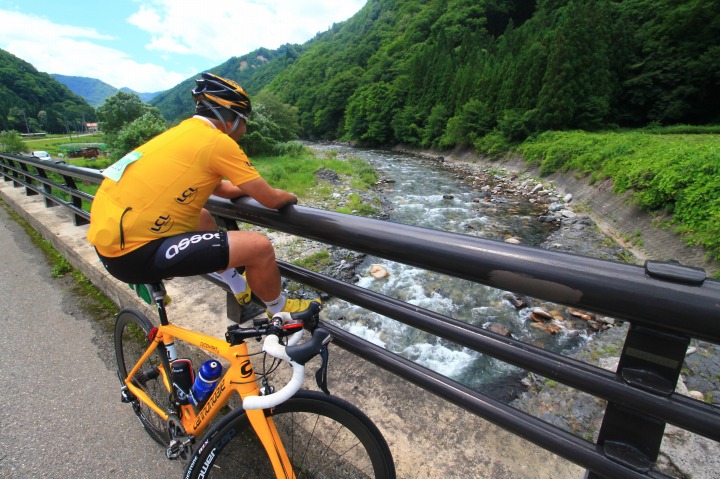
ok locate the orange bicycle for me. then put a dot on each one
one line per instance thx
(275, 434)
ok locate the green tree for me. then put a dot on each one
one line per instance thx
(18, 118)
(120, 110)
(515, 125)
(283, 116)
(329, 113)
(24, 92)
(435, 126)
(11, 142)
(141, 130)
(408, 125)
(34, 125)
(42, 118)
(578, 82)
(262, 137)
(474, 120)
(673, 62)
(533, 65)
(369, 112)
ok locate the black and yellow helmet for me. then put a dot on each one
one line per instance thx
(215, 94)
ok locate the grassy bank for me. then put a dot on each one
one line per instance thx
(672, 172)
(297, 173)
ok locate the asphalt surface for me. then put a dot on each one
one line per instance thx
(61, 413)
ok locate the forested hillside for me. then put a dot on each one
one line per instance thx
(443, 73)
(32, 101)
(253, 71)
(440, 73)
(446, 73)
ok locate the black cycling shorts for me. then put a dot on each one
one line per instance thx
(186, 254)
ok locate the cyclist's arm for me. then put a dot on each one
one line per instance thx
(259, 190)
(226, 189)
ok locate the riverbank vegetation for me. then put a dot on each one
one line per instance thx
(674, 172)
(298, 172)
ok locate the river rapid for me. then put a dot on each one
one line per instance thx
(423, 192)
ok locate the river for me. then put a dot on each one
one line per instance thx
(423, 193)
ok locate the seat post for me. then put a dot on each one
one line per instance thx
(159, 293)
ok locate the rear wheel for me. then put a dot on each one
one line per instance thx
(131, 342)
(324, 436)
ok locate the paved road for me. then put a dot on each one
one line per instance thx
(61, 415)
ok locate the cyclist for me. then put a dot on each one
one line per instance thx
(148, 220)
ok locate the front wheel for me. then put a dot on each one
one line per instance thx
(131, 342)
(325, 438)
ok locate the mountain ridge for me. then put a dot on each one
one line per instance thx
(95, 91)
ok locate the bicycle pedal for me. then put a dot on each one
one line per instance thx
(126, 396)
(173, 450)
(179, 448)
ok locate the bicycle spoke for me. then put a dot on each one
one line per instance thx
(325, 438)
(130, 343)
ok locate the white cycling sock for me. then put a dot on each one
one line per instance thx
(235, 280)
(276, 305)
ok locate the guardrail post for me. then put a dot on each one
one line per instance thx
(76, 201)
(651, 360)
(235, 312)
(48, 189)
(6, 171)
(28, 179)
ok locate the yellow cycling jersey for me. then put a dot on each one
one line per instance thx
(159, 189)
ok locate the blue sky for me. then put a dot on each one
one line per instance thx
(152, 45)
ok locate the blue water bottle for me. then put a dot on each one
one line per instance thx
(206, 380)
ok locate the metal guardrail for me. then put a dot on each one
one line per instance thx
(39, 181)
(667, 304)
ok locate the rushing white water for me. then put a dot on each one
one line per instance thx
(424, 194)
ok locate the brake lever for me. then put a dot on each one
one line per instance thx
(321, 373)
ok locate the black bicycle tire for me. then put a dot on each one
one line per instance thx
(156, 429)
(210, 449)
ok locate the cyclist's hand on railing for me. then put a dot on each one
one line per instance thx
(296, 355)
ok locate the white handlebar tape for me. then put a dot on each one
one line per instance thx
(272, 346)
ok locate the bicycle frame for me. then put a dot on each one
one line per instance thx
(239, 378)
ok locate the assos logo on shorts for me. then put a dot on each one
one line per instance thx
(175, 249)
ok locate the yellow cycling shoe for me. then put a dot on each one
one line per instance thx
(244, 297)
(301, 309)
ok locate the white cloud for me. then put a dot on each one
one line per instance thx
(18, 25)
(179, 30)
(111, 66)
(225, 28)
(68, 50)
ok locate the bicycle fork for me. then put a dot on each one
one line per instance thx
(266, 431)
